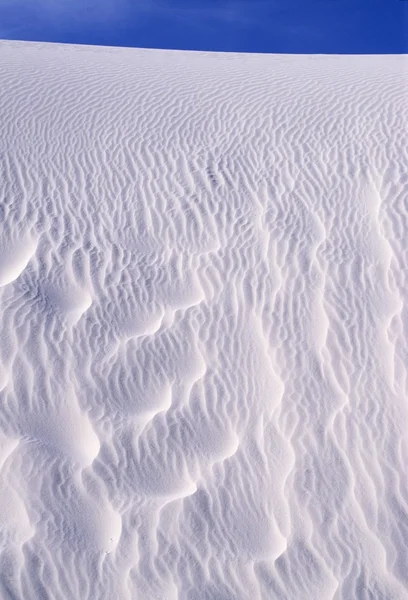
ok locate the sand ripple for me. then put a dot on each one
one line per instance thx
(204, 325)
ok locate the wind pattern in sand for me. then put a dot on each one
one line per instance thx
(204, 325)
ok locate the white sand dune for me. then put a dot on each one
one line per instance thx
(204, 325)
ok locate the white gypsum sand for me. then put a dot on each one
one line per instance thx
(204, 325)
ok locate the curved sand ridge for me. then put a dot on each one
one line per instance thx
(203, 331)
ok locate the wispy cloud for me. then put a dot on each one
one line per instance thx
(21, 15)
(237, 12)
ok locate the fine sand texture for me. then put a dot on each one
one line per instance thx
(203, 325)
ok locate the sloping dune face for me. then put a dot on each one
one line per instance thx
(204, 325)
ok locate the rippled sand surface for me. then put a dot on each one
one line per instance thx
(203, 325)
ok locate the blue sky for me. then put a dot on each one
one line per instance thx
(296, 26)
